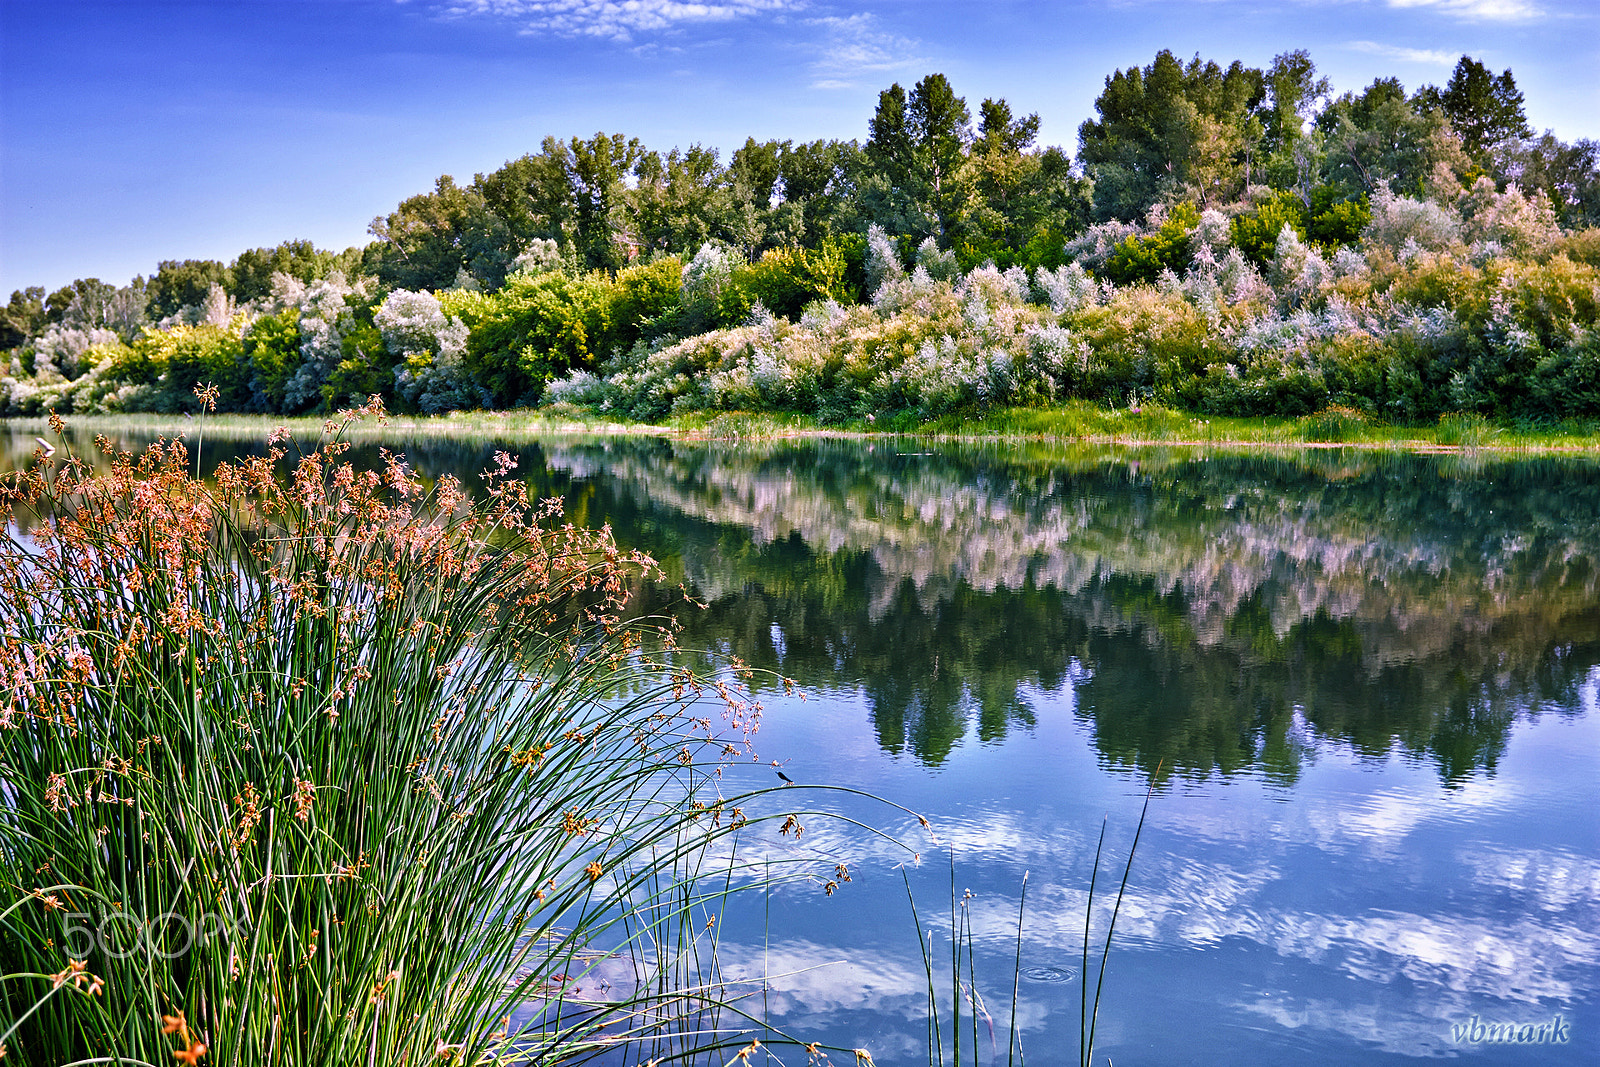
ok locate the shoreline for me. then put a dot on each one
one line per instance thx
(1067, 426)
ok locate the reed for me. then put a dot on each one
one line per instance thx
(313, 765)
(1089, 1015)
(952, 1040)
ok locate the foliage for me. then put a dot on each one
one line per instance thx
(272, 345)
(339, 748)
(1485, 110)
(1287, 256)
(1335, 220)
(171, 362)
(534, 328)
(1142, 259)
(177, 285)
(1143, 147)
(1255, 233)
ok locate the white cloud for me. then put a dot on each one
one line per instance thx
(1479, 10)
(1430, 56)
(615, 19)
(853, 46)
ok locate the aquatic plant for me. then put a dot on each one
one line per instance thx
(311, 764)
(963, 1037)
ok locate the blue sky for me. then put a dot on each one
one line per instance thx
(139, 130)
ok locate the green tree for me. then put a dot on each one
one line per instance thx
(431, 238)
(272, 348)
(596, 169)
(1167, 126)
(1484, 110)
(679, 202)
(1381, 136)
(756, 166)
(533, 195)
(940, 128)
(1569, 174)
(1293, 90)
(250, 274)
(1017, 193)
(915, 151)
(180, 284)
(23, 317)
(818, 180)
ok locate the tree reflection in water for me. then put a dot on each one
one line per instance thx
(1215, 613)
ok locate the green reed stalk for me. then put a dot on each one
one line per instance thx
(1016, 974)
(1087, 1019)
(337, 767)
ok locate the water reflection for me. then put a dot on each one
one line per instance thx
(1215, 613)
(1204, 606)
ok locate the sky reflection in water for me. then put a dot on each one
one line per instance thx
(1369, 682)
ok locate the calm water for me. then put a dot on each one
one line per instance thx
(1369, 684)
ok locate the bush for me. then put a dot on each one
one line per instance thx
(1402, 226)
(371, 763)
(781, 282)
(534, 328)
(1255, 233)
(1333, 424)
(272, 345)
(1335, 220)
(176, 359)
(1142, 259)
(1140, 341)
(645, 294)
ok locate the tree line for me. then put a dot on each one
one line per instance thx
(592, 249)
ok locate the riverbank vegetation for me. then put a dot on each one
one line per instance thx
(1229, 241)
(1080, 421)
(333, 765)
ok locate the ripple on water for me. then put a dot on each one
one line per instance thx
(1048, 973)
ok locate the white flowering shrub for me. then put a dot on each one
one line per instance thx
(1401, 221)
(925, 344)
(542, 254)
(1094, 246)
(217, 309)
(1348, 262)
(415, 323)
(324, 317)
(430, 344)
(1214, 230)
(1510, 220)
(883, 260)
(1067, 288)
(1239, 280)
(1017, 279)
(900, 293)
(1288, 258)
(939, 265)
(58, 351)
(287, 292)
(709, 272)
(821, 314)
(580, 388)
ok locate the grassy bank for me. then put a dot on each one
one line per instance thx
(1076, 421)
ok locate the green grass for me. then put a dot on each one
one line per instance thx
(1080, 421)
(310, 765)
